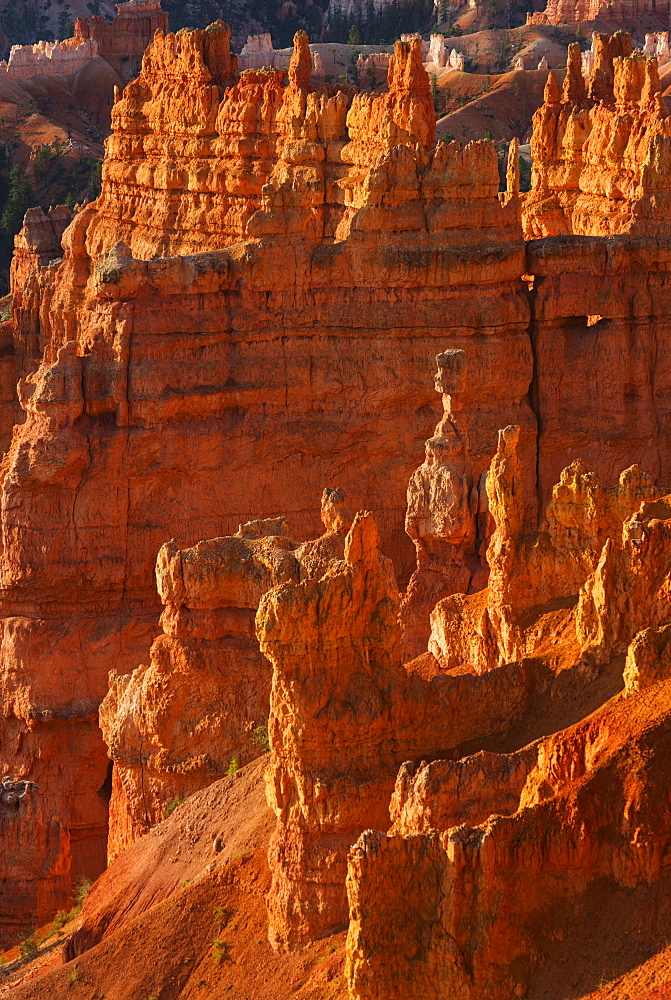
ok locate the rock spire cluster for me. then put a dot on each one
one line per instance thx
(246, 319)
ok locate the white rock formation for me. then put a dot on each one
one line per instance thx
(48, 58)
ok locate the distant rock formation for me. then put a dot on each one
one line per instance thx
(130, 32)
(577, 187)
(48, 58)
(121, 42)
(39, 241)
(258, 53)
(440, 57)
(618, 11)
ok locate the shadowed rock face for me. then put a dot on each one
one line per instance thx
(250, 312)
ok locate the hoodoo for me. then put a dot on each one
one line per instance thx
(459, 668)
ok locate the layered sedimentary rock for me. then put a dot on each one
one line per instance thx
(627, 598)
(122, 42)
(323, 253)
(601, 148)
(345, 713)
(175, 725)
(657, 47)
(618, 11)
(440, 57)
(447, 505)
(48, 58)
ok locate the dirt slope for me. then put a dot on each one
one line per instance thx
(503, 105)
(181, 915)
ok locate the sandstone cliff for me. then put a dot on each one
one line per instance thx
(323, 253)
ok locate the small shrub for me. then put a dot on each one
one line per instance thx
(261, 736)
(448, 137)
(221, 915)
(234, 765)
(59, 921)
(82, 886)
(172, 805)
(28, 947)
(221, 950)
(74, 975)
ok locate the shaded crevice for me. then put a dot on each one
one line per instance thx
(533, 395)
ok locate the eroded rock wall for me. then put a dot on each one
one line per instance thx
(324, 251)
(601, 148)
(470, 911)
(200, 708)
(344, 714)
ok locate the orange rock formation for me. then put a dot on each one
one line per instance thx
(344, 714)
(535, 577)
(248, 313)
(490, 858)
(201, 705)
(601, 148)
(615, 11)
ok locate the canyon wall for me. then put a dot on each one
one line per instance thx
(248, 313)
